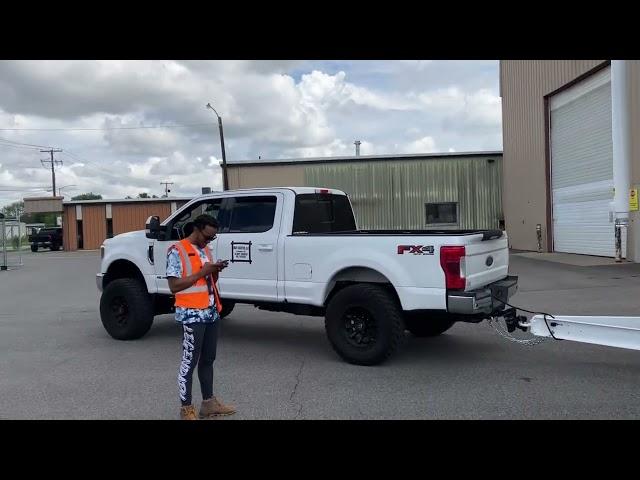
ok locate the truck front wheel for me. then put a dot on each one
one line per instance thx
(364, 324)
(428, 325)
(126, 309)
(227, 308)
(34, 247)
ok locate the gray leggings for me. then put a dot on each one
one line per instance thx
(199, 343)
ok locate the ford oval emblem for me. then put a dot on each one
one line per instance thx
(489, 261)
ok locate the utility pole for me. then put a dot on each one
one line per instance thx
(166, 187)
(225, 179)
(53, 166)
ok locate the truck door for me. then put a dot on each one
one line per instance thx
(249, 241)
(178, 228)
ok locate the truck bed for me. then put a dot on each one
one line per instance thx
(486, 234)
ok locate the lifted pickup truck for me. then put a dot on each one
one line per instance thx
(298, 250)
(50, 238)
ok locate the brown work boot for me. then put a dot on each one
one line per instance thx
(188, 412)
(214, 408)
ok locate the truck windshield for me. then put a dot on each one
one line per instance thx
(322, 213)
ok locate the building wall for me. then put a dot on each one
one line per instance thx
(523, 87)
(43, 204)
(126, 217)
(69, 228)
(265, 176)
(94, 226)
(392, 193)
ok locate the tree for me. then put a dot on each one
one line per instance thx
(15, 209)
(87, 196)
(143, 195)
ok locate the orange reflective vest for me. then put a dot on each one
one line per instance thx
(196, 296)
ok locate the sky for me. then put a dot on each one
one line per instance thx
(93, 111)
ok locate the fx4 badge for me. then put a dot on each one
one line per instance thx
(415, 249)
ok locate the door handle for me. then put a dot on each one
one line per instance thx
(265, 247)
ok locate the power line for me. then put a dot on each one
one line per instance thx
(24, 144)
(27, 189)
(17, 146)
(187, 125)
(87, 163)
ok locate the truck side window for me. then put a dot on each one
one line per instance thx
(253, 214)
(319, 213)
(183, 225)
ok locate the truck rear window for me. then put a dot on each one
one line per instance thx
(322, 213)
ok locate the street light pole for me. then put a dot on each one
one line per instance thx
(225, 179)
(60, 188)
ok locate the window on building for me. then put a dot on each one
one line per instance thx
(442, 214)
(252, 214)
(109, 228)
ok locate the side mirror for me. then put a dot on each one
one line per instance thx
(153, 228)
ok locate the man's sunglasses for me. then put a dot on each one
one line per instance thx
(209, 239)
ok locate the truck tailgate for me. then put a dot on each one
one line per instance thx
(485, 262)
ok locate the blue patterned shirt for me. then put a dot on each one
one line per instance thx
(191, 315)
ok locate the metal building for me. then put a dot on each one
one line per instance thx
(87, 223)
(444, 190)
(558, 142)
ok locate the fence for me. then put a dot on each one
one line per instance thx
(12, 239)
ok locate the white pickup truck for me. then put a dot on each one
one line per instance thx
(298, 250)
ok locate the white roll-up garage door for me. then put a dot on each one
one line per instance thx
(582, 167)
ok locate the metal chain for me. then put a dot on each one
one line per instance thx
(503, 333)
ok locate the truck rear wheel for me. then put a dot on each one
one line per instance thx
(126, 309)
(55, 247)
(428, 325)
(364, 324)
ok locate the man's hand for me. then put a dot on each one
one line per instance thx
(210, 268)
(178, 284)
(222, 264)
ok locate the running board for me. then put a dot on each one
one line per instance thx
(620, 332)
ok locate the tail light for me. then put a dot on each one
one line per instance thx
(323, 191)
(450, 258)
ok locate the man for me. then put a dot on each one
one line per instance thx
(192, 277)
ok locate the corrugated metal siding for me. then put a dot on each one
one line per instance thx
(132, 217)
(524, 85)
(94, 226)
(393, 194)
(69, 228)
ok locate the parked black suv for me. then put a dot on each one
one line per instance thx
(48, 237)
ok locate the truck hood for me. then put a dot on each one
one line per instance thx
(129, 236)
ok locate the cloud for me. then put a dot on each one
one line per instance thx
(272, 109)
(421, 145)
